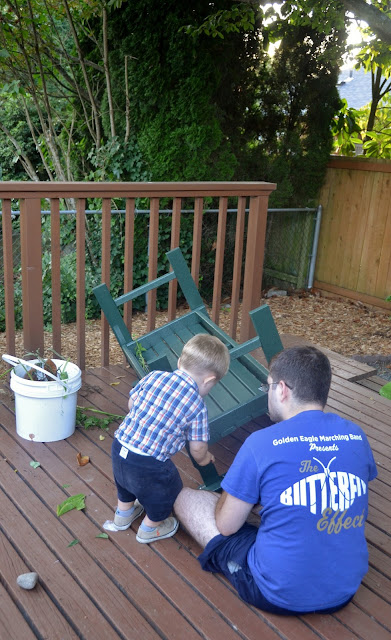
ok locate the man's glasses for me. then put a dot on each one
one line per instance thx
(266, 386)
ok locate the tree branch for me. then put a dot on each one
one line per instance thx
(377, 20)
(24, 159)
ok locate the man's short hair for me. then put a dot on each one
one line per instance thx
(306, 370)
(205, 353)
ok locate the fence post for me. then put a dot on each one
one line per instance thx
(31, 258)
(255, 250)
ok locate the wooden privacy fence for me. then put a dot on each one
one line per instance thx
(354, 252)
(253, 195)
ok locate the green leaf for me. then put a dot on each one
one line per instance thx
(72, 544)
(385, 391)
(35, 464)
(73, 502)
(102, 535)
(65, 486)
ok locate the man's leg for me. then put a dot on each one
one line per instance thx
(195, 510)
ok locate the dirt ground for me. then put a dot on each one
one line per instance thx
(349, 328)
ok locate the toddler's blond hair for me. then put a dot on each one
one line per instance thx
(205, 353)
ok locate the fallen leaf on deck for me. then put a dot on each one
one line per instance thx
(385, 391)
(113, 384)
(73, 502)
(82, 460)
(35, 464)
(102, 535)
(72, 544)
(101, 437)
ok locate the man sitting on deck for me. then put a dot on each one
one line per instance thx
(310, 472)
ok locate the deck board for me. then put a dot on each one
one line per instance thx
(116, 588)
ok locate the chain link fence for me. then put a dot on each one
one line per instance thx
(290, 247)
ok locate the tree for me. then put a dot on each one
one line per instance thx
(321, 14)
(42, 65)
(298, 106)
(105, 79)
(190, 97)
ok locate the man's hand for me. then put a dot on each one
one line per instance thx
(231, 514)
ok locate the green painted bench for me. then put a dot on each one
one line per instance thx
(236, 399)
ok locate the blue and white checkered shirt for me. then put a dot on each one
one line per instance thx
(167, 410)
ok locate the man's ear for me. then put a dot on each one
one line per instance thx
(210, 379)
(284, 390)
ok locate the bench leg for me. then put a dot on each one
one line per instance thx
(208, 474)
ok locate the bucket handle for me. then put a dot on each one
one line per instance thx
(15, 361)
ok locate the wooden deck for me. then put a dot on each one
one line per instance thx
(116, 588)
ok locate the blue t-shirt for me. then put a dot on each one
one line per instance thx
(310, 474)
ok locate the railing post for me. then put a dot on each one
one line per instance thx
(8, 277)
(31, 258)
(255, 250)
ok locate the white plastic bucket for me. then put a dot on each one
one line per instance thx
(45, 411)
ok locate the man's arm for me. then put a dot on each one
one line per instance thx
(231, 513)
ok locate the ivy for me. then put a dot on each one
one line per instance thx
(89, 417)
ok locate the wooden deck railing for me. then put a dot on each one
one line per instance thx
(252, 194)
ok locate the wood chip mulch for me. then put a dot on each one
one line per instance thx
(349, 328)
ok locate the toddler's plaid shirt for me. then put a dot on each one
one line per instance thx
(167, 410)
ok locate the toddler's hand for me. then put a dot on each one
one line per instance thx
(209, 457)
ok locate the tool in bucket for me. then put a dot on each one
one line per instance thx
(14, 361)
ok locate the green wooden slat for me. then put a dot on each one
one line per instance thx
(133, 361)
(246, 347)
(188, 332)
(112, 314)
(222, 425)
(149, 354)
(162, 350)
(185, 279)
(150, 339)
(174, 342)
(141, 291)
(265, 327)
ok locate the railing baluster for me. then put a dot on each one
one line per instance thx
(8, 277)
(129, 259)
(56, 273)
(152, 266)
(219, 260)
(237, 268)
(197, 237)
(81, 282)
(255, 249)
(175, 237)
(105, 270)
(31, 257)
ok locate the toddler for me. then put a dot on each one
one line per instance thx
(165, 410)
